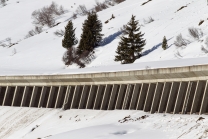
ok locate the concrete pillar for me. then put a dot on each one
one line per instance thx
(59, 97)
(16, 95)
(99, 97)
(204, 100)
(149, 97)
(25, 93)
(129, 94)
(121, 94)
(135, 96)
(126, 94)
(190, 97)
(91, 98)
(156, 98)
(180, 97)
(33, 97)
(2, 94)
(6, 97)
(42, 96)
(50, 98)
(185, 103)
(198, 96)
(172, 97)
(76, 97)
(85, 94)
(106, 97)
(164, 97)
(142, 96)
(66, 97)
(113, 97)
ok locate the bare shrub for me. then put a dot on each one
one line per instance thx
(100, 6)
(46, 15)
(82, 10)
(180, 41)
(123, 30)
(74, 15)
(178, 54)
(195, 33)
(86, 57)
(34, 32)
(59, 33)
(69, 56)
(6, 42)
(204, 49)
(149, 20)
(3, 2)
(118, 1)
(206, 41)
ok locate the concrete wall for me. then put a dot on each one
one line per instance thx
(172, 90)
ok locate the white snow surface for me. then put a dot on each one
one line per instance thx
(42, 53)
(41, 123)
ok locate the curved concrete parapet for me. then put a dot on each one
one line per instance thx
(170, 90)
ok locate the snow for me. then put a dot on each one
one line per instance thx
(42, 54)
(34, 123)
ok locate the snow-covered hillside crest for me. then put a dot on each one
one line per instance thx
(42, 53)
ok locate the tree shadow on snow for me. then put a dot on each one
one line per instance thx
(109, 39)
(154, 48)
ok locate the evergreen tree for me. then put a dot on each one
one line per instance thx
(91, 35)
(69, 37)
(164, 43)
(130, 47)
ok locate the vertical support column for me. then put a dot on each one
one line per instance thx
(25, 93)
(120, 98)
(99, 97)
(180, 97)
(59, 96)
(66, 97)
(91, 98)
(2, 94)
(142, 96)
(113, 97)
(186, 97)
(106, 97)
(42, 96)
(50, 98)
(76, 97)
(16, 95)
(198, 97)
(204, 100)
(33, 97)
(172, 97)
(149, 97)
(6, 97)
(126, 96)
(85, 94)
(190, 97)
(164, 97)
(157, 96)
(135, 96)
(129, 95)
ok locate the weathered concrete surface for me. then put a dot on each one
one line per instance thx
(199, 72)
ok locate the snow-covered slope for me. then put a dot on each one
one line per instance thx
(34, 123)
(42, 54)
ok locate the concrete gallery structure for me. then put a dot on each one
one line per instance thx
(165, 90)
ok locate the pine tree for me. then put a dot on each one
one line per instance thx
(69, 37)
(91, 35)
(130, 47)
(164, 43)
